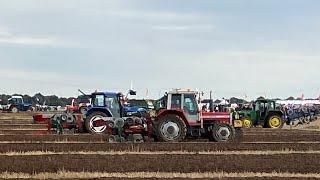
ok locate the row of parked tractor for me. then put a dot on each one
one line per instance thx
(174, 117)
(274, 114)
(17, 104)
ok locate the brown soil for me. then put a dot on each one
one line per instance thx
(291, 163)
(188, 147)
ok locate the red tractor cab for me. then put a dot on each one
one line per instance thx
(177, 116)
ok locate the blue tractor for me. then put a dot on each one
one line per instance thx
(107, 109)
(16, 104)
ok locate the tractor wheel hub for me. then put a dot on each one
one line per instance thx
(97, 124)
(224, 133)
(170, 130)
(275, 122)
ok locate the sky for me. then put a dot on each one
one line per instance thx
(242, 48)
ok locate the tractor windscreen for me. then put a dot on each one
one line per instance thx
(113, 104)
(15, 101)
(161, 103)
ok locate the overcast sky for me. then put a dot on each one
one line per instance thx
(233, 47)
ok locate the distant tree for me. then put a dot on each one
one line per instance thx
(290, 98)
(217, 101)
(235, 100)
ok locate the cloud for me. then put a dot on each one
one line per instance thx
(25, 75)
(21, 40)
(270, 56)
(183, 27)
(4, 31)
(155, 15)
(9, 36)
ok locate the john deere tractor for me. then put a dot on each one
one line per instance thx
(264, 113)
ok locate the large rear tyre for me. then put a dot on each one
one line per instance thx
(95, 124)
(222, 133)
(275, 122)
(171, 128)
(14, 110)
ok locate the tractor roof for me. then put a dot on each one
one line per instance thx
(16, 97)
(180, 91)
(265, 100)
(106, 93)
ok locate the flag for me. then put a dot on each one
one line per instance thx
(302, 96)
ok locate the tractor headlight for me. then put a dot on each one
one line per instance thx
(129, 113)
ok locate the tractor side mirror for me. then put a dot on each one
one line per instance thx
(132, 92)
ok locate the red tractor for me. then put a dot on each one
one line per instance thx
(177, 116)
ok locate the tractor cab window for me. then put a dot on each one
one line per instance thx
(260, 106)
(176, 101)
(11, 101)
(15, 101)
(271, 105)
(190, 105)
(161, 103)
(113, 104)
(257, 106)
(98, 101)
(263, 106)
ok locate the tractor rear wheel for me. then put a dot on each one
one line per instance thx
(95, 123)
(222, 133)
(14, 110)
(275, 122)
(171, 128)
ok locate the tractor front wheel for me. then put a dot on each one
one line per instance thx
(247, 123)
(222, 133)
(275, 122)
(95, 123)
(171, 128)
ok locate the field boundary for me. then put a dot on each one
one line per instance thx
(159, 175)
(244, 152)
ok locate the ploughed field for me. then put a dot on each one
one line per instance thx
(27, 151)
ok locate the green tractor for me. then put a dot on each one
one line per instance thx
(264, 113)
